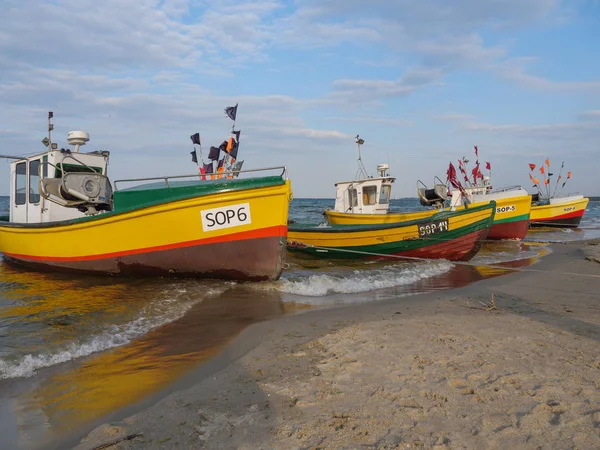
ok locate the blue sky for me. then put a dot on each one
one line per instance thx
(422, 82)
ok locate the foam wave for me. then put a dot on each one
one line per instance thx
(153, 316)
(360, 280)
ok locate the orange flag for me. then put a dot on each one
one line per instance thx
(546, 181)
(548, 162)
(542, 170)
(568, 175)
(536, 181)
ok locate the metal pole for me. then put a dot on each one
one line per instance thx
(50, 128)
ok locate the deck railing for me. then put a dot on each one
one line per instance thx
(221, 175)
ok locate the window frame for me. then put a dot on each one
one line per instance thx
(388, 190)
(370, 193)
(352, 197)
(18, 177)
(33, 192)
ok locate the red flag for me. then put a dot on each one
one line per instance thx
(476, 173)
(530, 177)
(451, 173)
(542, 171)
(488, 166)
(531, 166)
(476, 151)
(568, 175)
(452, 177)
(202, 172)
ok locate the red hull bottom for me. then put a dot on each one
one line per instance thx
(254, 259)
(460, 249)
(509, 230)
(571, 220)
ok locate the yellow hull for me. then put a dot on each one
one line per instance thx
(563, 214)
(450, 235)
(510, 222)
(178, 237)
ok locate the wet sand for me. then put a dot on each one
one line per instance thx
(508, 362)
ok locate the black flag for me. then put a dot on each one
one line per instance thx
(231, 111)
(195, 138)
(234, 151)
(213, 154)
(237, 135)
(194, 157)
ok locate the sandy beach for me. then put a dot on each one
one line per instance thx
(508, 362)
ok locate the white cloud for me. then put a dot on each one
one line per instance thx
(514, 71)
(593, 114)
(454, 117)
(371, 119)
(313, 134)
(372, 90)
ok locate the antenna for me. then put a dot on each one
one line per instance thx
(362, 172)
(47, 141)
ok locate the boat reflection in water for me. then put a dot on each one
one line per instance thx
(60, 319)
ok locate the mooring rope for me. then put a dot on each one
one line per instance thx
(460, 263)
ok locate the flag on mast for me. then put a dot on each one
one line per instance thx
(195, 138)
(231, 111)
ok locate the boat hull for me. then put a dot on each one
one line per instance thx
(567, 214)
(171, 238)
(511, 220)
(460, 241)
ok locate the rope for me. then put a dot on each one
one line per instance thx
(460, 263)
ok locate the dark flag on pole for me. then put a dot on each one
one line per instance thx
(231, 111)
(194, 157)
(213, 154)
(234, 152)
(195, 138)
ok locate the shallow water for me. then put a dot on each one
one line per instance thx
(73, 349)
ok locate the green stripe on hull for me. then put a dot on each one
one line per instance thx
(398, 246)
(512, 219)
(346, 228)
(157, 193)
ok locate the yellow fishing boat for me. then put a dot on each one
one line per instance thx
(549, 209)
(366, 200)
(64, 215)
(451, 235)
(564, 212)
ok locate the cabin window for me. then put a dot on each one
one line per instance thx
(21, 184)
(384, 196)
(369, 195)
(34, 178)
(45, 166)
(352, 197)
